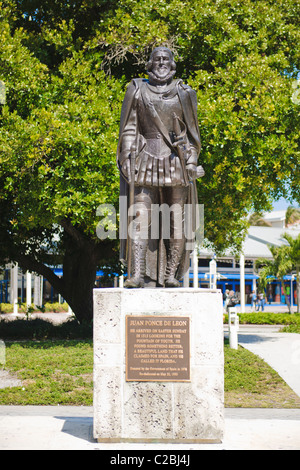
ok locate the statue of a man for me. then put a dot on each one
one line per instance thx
(158, 149)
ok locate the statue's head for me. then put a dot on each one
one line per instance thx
(161, 66)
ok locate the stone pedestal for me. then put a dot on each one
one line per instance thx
(166, 410)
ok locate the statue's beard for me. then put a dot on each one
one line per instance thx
(155, 80)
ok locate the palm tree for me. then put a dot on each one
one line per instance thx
(278, 267)
(292, 215)
(257, 219)
(294, 254)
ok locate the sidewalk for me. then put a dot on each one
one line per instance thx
(70, 428)
(272, 308)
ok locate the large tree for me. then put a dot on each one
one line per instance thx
(65, 66)
(58, 134)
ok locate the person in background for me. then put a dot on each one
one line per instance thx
(261, 302)
(226, 299)
(232, 300)
(253, 299)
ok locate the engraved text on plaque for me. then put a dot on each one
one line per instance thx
(157, 348)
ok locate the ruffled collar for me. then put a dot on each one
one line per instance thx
(167, 92)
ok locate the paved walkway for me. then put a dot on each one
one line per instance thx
(55, 318)
(273, 308)
(67, 428)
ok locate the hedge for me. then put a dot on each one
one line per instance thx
(47, 307)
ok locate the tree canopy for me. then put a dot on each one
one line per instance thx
(66, 65)
(276, 268)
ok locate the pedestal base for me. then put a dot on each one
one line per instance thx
(158, 411)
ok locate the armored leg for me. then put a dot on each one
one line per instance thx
(176, 198)
(175, 253)
(139, 237)
(139, 248)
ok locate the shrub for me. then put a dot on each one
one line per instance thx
(6, 308)
(55, 307)
(22, 308)
(267, 318)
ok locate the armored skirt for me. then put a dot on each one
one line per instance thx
(158, 171)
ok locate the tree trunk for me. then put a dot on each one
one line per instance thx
(79, 275)
(298, 287)
(80, 261)
(286, 296)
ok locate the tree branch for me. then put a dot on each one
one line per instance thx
(73, 232)
(31, 264)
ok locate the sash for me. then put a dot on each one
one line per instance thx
(155, 117)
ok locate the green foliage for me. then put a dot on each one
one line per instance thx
(294, 253)
(292, 215)
(55, 307)
(277, 267)
(6, 308)
(285, 259)
(48, 307)
(65, 66)
(293, 249)
(267, 318)
(60, 161)
(293, 328)
(240, 57)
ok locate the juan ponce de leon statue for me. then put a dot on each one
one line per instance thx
(158, 149)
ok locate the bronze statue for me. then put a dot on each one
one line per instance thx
(157, 154)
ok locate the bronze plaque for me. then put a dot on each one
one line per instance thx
(157, 348)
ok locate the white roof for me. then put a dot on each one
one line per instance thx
(257, 241)
(274, 216)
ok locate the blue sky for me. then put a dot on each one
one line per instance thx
(283, 204)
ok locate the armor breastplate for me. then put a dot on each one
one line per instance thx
(165, 103)
(157, 164)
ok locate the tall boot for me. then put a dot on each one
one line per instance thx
(176, 248)
(139, 249)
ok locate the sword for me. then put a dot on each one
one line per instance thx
(180, 149)
(131, 202)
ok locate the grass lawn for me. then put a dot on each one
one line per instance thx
(61, 372)
(251, 383)
(52, 372)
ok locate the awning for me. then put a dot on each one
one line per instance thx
(288, 277)
(224, 276)
(59, 272)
